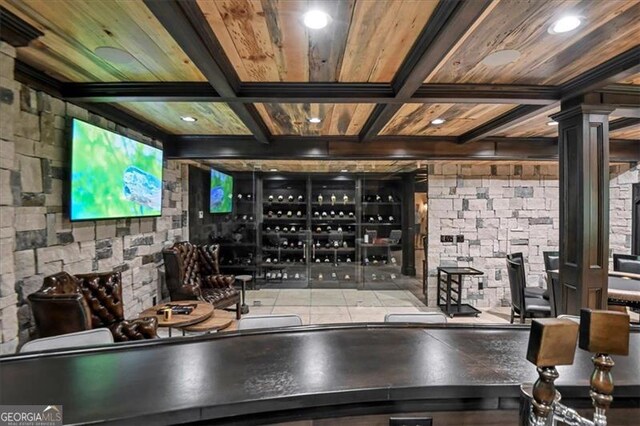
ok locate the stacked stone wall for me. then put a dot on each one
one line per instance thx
(504, 208)
(36, 237)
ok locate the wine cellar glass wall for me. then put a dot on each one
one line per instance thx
(237, 231)
(314, 230)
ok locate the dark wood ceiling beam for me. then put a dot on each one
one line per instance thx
(186, 24)
(404, 148)
(615, 69)
(623, 123)
(309, 93)
(450, 21)
(16, 31)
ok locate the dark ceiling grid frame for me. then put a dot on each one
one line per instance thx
(186, 24)
(335, 93)
(449, 22)
(615, 69)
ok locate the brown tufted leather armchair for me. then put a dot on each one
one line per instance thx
(192, 273)
(67, 303)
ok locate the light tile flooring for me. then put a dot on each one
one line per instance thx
(322, 306)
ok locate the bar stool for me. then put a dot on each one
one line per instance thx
(245, 279)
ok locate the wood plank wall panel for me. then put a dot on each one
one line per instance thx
(213, 118)
(415, 119)
(73, 29)
(337, 119)
(611, 28)
(366, 40)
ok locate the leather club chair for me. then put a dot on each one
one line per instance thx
(66, 304)
(192, 273)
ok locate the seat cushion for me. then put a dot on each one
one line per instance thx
(216, 295)
(536, 304)
(536, 292)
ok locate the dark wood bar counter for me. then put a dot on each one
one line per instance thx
(309, 371)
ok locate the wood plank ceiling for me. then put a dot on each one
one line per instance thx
(293, 119)
(74, 29)
(374, 43)
(610, 27)
(366, 41)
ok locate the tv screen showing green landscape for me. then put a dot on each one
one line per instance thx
(221, 198)
(113, 176)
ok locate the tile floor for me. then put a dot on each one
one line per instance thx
(321, 306)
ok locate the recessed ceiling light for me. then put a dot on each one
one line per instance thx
(314, 120)
(501, 57)
(189, 119)
(552, 123)
(114, 55)
(564, 25)
(344, 171)
(273, 170)
(316, 19)
(438, 121)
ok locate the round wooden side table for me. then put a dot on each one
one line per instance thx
(201, 312)
(220, 320)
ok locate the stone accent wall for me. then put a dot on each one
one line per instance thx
(503, 208)
(36, 237)
(620, 200)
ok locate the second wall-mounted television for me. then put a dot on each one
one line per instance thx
(113, 176)
(221, 192)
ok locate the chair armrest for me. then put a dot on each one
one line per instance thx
(137, 329)
(218, 281)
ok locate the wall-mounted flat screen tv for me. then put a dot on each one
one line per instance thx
(221, 192)
(113, 176)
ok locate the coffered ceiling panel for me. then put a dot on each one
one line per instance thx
(415, 119)
(212, 118)
(365, 40)
(74, 29)
(336, 119)
(608, 28)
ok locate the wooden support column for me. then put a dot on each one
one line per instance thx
(408, 225)
(583, 145)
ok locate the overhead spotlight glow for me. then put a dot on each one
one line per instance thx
(189, 119)
(344, 171)
(314, 120)
(438, 121)
(316, 19)
(273, 170)
(564, 25)
(552, 123)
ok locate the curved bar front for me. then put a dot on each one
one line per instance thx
(308, 371)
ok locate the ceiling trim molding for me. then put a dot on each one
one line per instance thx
(449, 22)
(15, 30)
(412, 148)
(186, 24)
